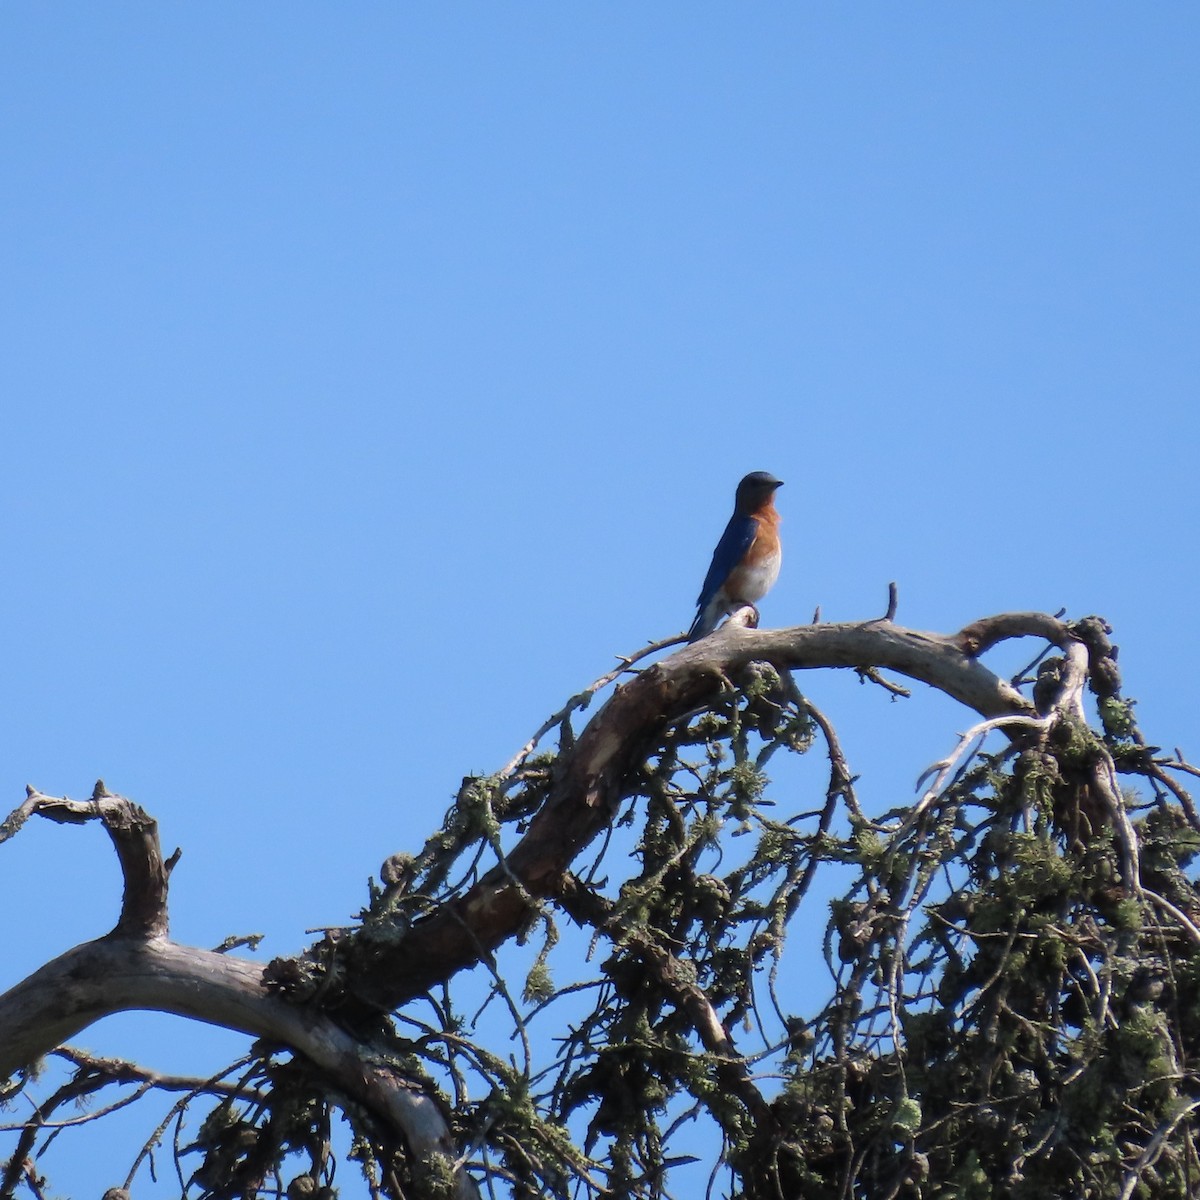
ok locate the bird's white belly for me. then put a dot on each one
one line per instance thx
(750, 583)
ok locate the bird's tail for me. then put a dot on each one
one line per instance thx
(703, 625)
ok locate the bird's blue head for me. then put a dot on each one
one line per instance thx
(755, 490)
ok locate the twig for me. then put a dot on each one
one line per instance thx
(872, 675)
(1177, 764)
(893, 602)
(134, 835)
(1185, 922)
(1155, 1147)
(945, 767)
(841, 781)
(1180, 793)
(1104, 780)
(582, 699)
(236, 942)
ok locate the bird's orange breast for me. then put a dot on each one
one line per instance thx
(753, 577)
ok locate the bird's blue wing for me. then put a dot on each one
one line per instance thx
(735, 541)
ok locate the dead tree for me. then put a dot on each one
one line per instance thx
(1013, 958)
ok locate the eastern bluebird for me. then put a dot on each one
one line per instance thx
(746, 561)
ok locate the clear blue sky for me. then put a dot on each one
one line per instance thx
(372, 374)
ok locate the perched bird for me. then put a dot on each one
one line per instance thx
(746, 561)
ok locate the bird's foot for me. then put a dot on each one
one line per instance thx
(745, 616)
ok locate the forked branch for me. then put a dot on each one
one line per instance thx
(136, 966)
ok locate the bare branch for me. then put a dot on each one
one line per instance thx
(944, 768)
(582, 699)
(134, 836)
(118, 974)
(871, 675)
(590, 780)
(980, 636)
(893, 602)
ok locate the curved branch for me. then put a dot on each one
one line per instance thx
(117, 973)
(980, 636)
(137, 967)
(591, 777)
(134, 835)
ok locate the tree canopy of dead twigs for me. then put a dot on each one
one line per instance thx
(582, 985)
